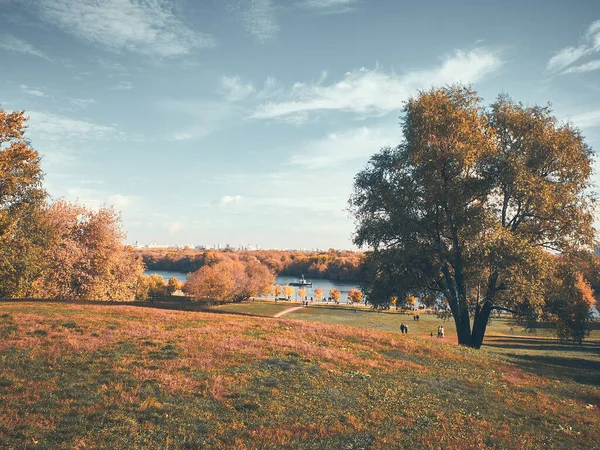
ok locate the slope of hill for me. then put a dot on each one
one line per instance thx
(81, 376)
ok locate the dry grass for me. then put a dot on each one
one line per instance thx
(75, 376)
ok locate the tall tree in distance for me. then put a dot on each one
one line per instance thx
(22, 236)
(470, 205)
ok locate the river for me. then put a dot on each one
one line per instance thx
(326, 285)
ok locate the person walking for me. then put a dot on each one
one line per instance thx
(442, 332)
(402, 328)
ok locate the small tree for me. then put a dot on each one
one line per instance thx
(569, 301)
(288, 291)
(318, 294)
(174, 285)
(302, 292)
(410, 301)
(335, 294)
(277, 290)
(355, 296)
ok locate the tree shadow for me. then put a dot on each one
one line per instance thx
(540, 344)
(552, 359)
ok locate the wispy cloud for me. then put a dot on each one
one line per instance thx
(375, 93)
(587, 119)
(55, 127)
(31, 91)
(96, 198)
(257, 18)
(82, 103)
(234, 89)
(330, 6)
(570, 55)
(123, 86)
(228, 200)
(587, 67)
(349, 145)
(149, 27)
(13, 44)
(195, 119)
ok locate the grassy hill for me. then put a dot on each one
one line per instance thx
(87, 376)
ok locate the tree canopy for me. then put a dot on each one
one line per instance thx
(473, 205)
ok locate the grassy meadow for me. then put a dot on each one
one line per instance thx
(108, 376)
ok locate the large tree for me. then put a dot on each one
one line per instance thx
(471, 204)
(22, 199)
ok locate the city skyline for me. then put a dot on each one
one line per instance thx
(245, 121)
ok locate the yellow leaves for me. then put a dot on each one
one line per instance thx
(229, 280)
(410, 300)
(318, 293)
(288, 291)
(335, 294)
(587, 294)
(355, 296)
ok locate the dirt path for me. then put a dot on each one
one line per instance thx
(289, 310)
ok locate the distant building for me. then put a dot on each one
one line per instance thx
(597, 250)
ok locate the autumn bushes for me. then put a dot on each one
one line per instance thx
(70, 253)
(229, 281)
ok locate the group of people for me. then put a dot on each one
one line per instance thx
(440, 332)
(404, 329)
(416, 317)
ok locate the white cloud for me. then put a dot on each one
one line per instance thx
(234, 89)
(258, 18)
(82, 103)
(587, 67)
(566, 57)
(327, 3)
(569, 55)
(122, 86)
(227, 200)
(30, 91)
(148, 27)
(174, 227)
(330, 6)
(375, 93)
(337, 148)
(587, 119)
(56, 127)
(95, 198)
(13, 44)
(196, 119)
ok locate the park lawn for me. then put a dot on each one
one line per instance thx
(255, 308)
(105, 376)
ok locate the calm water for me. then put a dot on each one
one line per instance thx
(326, 285)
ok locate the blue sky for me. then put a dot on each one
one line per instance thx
(244, 121)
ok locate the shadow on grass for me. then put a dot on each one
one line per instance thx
(551, 358)
(541, 344)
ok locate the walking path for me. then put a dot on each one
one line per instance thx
(289, 310)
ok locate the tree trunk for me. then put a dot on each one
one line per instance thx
(482, 313)
(463, 328)
(480, 322)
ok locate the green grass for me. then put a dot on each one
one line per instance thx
(81, 376)
(257, 308)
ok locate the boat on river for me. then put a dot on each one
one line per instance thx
(302, 282)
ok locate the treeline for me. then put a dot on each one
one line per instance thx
(332, 264)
